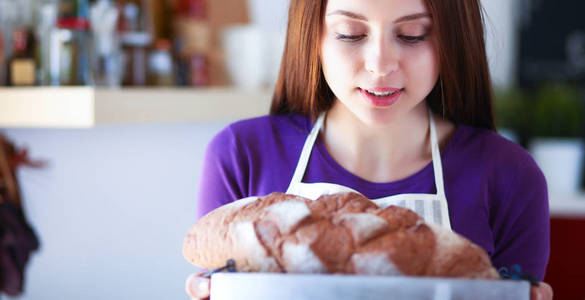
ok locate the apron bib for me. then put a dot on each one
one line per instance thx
(432, 207)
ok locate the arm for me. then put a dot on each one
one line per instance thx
(221, 183)
(223, 175)
(520, 220)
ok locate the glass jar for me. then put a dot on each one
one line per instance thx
(160, 65)
(70, 51)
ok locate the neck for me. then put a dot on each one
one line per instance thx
(378, 153)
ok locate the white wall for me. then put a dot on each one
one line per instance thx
(111, 209)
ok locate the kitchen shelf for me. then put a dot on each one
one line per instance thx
(86, 107)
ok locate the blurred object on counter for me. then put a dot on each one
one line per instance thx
(547, 110)
(106, 56)
(558, 125)
(21, 66)
(549, 121)
(244, 52)
(17, 238)
(160, 65)
(192, 41)
(561, 162)
(73, 40)
(559, 111)
(252, 56)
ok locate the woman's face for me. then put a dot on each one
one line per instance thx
(379, 56)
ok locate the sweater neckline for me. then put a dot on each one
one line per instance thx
(400, 184)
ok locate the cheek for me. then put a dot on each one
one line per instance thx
(340, 63)
(422, 66)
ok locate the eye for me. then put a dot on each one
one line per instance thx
(412, 39)
(350, 37)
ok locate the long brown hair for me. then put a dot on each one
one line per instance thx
(463, 93)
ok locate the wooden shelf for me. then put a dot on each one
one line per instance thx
(85, 107)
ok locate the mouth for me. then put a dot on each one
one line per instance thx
(381, 97)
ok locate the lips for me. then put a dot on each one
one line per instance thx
(381, 97)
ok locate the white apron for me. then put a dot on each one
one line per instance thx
(432, 207)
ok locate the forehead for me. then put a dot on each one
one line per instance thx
(375, 10)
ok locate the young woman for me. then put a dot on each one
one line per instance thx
(391, 99)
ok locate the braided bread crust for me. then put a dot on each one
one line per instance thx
(342, 233)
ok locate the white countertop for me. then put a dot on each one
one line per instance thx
(567, 205)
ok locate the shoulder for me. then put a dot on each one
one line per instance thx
(509, 173)
(261, 130)
(282, 124)
(256, 156)
(495, 163)
(253, 146)
(487, 147)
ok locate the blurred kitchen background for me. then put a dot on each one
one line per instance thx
(107, 107)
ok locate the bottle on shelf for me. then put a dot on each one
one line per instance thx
(160, 64)
(106, 50)
(72, 54)
(193, 42)
(15, 24)
(1, 58)
(47, 42)
(21, 66)
(135, 42)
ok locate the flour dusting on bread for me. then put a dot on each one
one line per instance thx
(373, 264)
(363, 226)
(340, 233)
(288, 214)
(245, 237)
(299, 258)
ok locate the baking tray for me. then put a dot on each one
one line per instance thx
(277, 286)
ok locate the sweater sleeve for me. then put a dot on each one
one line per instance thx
(521, 221)
(223, 174)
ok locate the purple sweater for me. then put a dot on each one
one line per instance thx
(496, 193)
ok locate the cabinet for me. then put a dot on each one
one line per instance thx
(566, 267)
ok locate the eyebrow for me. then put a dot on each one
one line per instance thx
(352, 15)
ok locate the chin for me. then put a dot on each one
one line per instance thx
(377, 117)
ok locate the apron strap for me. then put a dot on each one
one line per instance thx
(310, 142)
(436, 156)
(306, 152)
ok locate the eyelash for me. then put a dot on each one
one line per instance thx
(349, 37)
(410, 39)
(356, 38)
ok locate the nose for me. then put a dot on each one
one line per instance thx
(382, 58)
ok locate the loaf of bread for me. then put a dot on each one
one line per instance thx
(341, 233)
